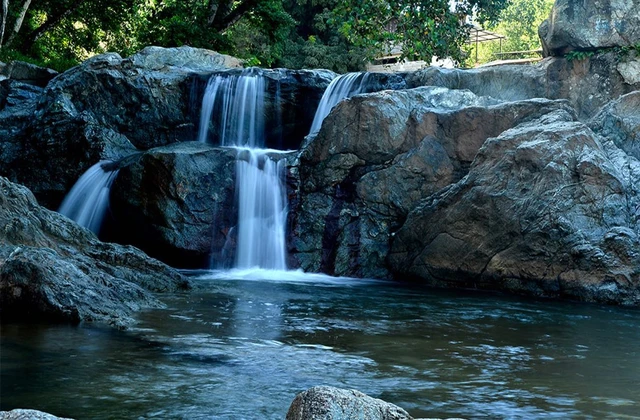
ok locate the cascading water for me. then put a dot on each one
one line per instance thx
(238, 102)
(262, 211)
(88, 200)
(340, 88)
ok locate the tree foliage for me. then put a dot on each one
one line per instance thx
(421, 28)
(335, 34)
(519, 22)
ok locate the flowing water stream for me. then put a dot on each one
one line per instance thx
(88, 200)
(242, 349)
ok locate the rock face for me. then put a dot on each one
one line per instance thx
(587, 84)
(176, 202)
(375, 157)
(52, 269)
(591, 24)
(619, 122)
(545, 210)
(329, 403)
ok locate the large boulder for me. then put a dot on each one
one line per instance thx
(329, 403)
(587, 84)
(52, 269)
(547, 209)
(590, 25)
(176, 202)
(375, 157)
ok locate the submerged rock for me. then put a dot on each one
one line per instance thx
(52, 269)
(546, 210)
(329, 403)
(376, 157)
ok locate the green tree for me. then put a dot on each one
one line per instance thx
(316, 41)
(519, 22)
(423, 28)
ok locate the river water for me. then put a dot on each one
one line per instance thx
(242, 349)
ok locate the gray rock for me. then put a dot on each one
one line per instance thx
(587, 84)
(23, 414)
(591, 24)
(375, 157)
(28, 73)
(619, 122)
(546, 210)
(52, 269)
(329, 403)
(176, 202)
(183, 59)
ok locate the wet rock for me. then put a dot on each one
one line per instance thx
(589, 25)
(176, 202)
(547, 209)
(329, 403)
(375, 157)
(587, 84)
(54, 270)
(22, 414)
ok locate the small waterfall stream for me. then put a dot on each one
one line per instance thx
(343, 86)
(238, 102)
(88, 200)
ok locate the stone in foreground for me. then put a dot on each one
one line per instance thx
(22, 414)
(329, 403)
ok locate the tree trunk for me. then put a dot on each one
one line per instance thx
(231, 14)
(3, 24)
(18, 24)
(213, 11)
(48, 24)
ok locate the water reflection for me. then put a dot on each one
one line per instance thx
(244, 348)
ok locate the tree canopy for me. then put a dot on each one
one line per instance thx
(337, 34)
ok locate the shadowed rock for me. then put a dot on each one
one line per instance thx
(52, 269)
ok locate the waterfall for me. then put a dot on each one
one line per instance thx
(239, 101)
(341, 87)
(262, 211)
(236, 104)
(88, 200)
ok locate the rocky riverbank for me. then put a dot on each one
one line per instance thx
(514, 178)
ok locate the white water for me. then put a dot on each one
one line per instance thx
(88, 200)
(262, 212)
(236, 102)
(341, 87)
